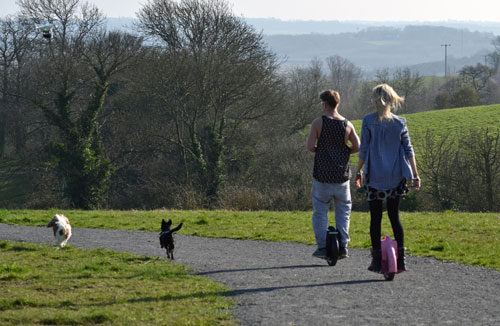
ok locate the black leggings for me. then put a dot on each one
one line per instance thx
(376, 210)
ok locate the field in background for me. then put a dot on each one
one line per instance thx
(450, 121)
(468, 238)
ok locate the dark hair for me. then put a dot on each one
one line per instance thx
(331, 97)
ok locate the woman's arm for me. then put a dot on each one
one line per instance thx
(408, 148)
(414, 172)
(353, 138)
(405, 141)
(365, 141)
(359, 174)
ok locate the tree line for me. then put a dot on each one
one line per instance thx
(190, 109)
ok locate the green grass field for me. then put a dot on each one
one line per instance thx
(455, 121)
(450, 121)
(44, 286)
(469, 238)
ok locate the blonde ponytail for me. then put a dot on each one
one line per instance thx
(385, 98)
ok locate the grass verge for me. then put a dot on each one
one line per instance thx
(469, 238)
(44, 286)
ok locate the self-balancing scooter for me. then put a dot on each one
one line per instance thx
(332, 245)
(389, 251)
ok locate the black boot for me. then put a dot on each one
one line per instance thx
(401, 259)
(376, 264)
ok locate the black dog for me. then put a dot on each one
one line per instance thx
(166, 237)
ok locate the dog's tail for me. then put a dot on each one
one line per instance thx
(176, 228)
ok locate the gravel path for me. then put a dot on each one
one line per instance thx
(282, 284)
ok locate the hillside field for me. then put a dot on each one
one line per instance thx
(452, 122)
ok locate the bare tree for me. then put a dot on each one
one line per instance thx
(494, 60)
(407, 84)
(15, 43)
(303, 85)
(462, 172)
(483, 152)
(345, 78)
(217, 75)
(435, 165)
(477, 77)
(383, 76)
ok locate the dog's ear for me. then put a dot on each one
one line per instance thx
(52, 222)
(177, 228)
(164, 225)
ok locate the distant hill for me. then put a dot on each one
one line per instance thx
(388, 47)
(373, 45)
(272, 26)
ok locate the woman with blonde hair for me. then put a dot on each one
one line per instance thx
(389, 160)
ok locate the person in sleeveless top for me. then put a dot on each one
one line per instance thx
(328, 140)
(389, 160)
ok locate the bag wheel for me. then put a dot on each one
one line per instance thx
(389, 276)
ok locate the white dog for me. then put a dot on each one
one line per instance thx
(62, 229)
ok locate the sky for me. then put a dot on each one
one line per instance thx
(343, 10)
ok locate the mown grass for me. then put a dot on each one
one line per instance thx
(44, 286)
(453, 123)
(469, 238)
(450, 122)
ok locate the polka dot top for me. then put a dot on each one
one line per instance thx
(331, 159)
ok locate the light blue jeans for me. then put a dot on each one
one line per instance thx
(322, 194)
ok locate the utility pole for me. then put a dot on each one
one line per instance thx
(445, 59)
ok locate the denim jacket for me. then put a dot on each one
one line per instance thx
(386, 148)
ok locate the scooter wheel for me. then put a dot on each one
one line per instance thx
(331, 262)
(389, 276)
(332, 246)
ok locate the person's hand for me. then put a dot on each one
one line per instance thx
(359, 179)
(415, 183)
